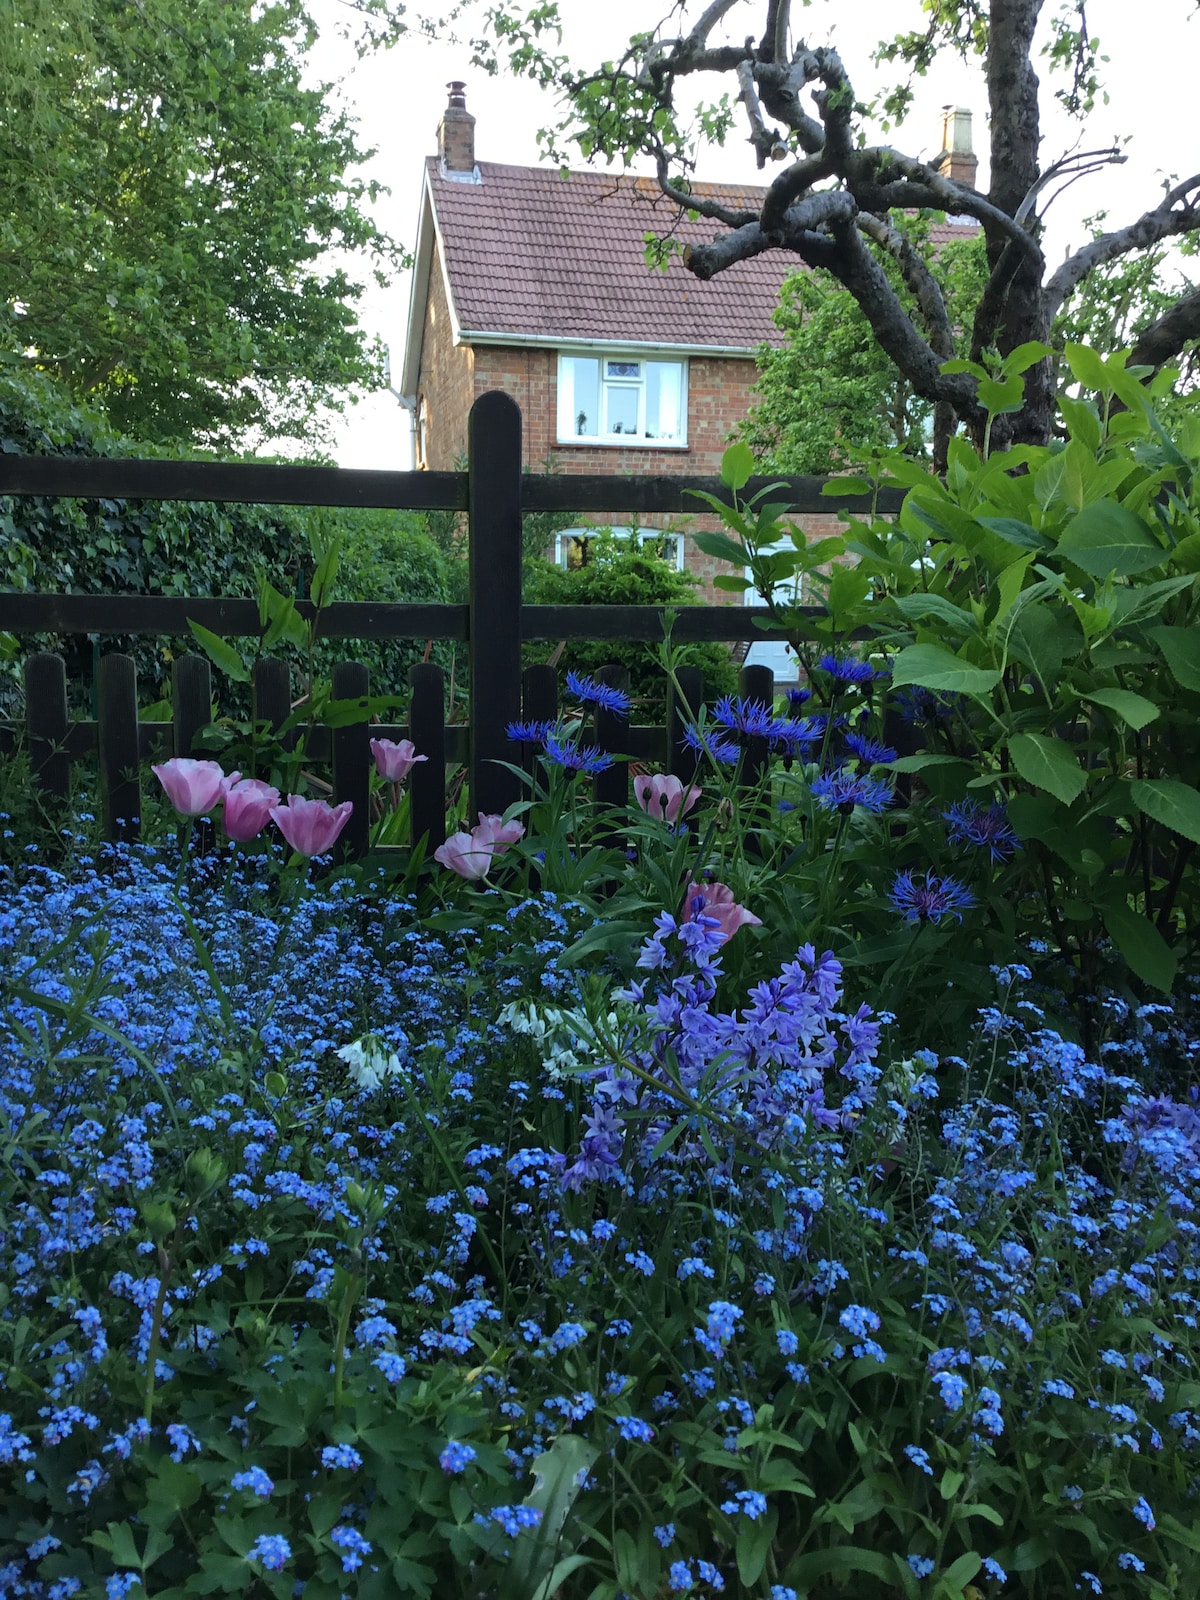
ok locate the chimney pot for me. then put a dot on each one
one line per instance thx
(456, 133)
(957, 160)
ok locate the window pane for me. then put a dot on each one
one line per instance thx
(622, 409)
(578, 397)
(664, 400)
(622, 369)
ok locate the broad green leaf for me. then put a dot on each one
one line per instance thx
(846, 486)
(1001, 396)
(1176, 805)
(1132, 708)
(1181, 647)
(952, 1482)
(722, 547)
(1186, 553)
(1130, 605)
(1105, 538)
(839, 1562)
(1087, 368)
(918, 606)
(1082, 420)
(1018, 533)
(558, 1474)
(734, 585)
(737, 466)
(1025, 356)
(960, 1572)
(1048, 764)
(600, 938)
(220, 652)
(1144, 949)
(919, 762)
(1009, 585)
(753, 1546)
(931, 667)
(1042, 637)
(848, 588)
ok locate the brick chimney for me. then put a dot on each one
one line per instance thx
(957, 160)
(456, 134)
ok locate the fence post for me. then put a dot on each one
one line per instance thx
(46, 722)
(117, 741)
(427, 730)
(494, 512)
(351, 761)
(539, 703)
(683, 709)
(755, 684)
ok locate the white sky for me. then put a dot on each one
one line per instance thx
(398, 98)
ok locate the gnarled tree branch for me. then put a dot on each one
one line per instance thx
(1164, 339)
(1152, 226)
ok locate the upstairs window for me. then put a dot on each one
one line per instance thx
(572, 546)
(618, 399)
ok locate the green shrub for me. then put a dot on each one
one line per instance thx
(618, 574)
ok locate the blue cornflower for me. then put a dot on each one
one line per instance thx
(844, 789)
(985, 827)
(871, 752)
(341, 1455)
(529, 732)
(456, 1457)
(598, 694)
(711, 744)
(255, 1480)
(746, 716)
(930, 899)
(352, 1546)
(922, 1565)
(845, 669)
(270, 1550)
(799, 697)
(576, 758)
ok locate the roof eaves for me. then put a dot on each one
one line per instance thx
(549, 341)
(429, 234)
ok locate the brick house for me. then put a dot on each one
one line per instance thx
(535, 282)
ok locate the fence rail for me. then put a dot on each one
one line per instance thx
(494, 493)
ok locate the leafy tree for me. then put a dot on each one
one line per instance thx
(836, 193)
(179, 214)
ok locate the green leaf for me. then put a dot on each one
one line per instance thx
(1025, 356)
(1186, 553)
(1132, 708)
(952, 1482)
(737, 466)
(1106, 538)
(600, 938)
(558, 1474)
(848, 588)
(1181, 647)
(931, 667)
(1048, 764)
(1001, 397)
(1018, 533)
(754, 1542)
(722, 547)
(919, 762)
(950, 1586)
(838, 1562)
(220, 653)
(918, 606)
(1176, 805)
(727, 581)
(1087, 367)
(1144, 949)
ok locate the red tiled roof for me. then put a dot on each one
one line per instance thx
(535, 254)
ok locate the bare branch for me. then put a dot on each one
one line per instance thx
(692, 202)
(698, 37)
(922, 186)
(789, 187)
(990, 311)
(781, 85)
(766, 141)
(914, 269)
(782, 19)
(1165, 338)
(706, 260)
(1152, 226)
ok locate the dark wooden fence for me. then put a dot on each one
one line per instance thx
(494, 493)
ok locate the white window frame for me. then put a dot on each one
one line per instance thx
(774, 653)
(642, 535)
(638, 440)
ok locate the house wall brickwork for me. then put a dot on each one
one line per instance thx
(452, 377)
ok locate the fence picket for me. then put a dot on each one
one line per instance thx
(46, 723)
(427, 730)
(683, 709)
(352, 761)
(191, 701)
(272, 697)
(494, 500)
(117, 741)
(755, 684)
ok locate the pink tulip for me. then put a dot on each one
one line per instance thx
(465, 853)
(394, 761)
(311, 826)
(192, 787)
(247, 809)
(499, 834)
(716, 900)
(663, 796)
